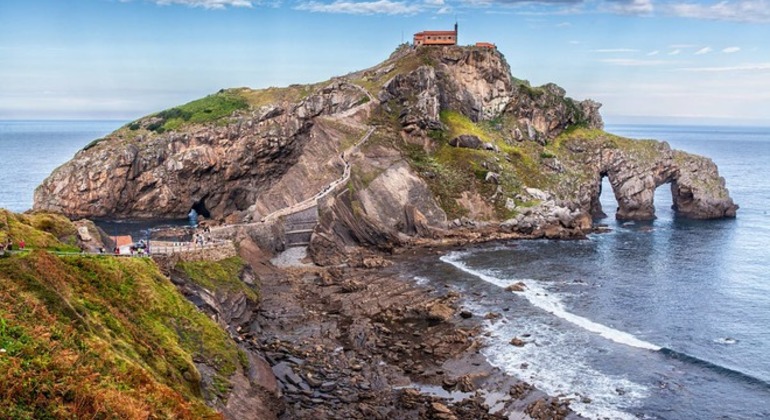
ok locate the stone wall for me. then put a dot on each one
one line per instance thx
(214, 252)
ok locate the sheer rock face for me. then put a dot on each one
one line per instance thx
(218, 170)
(546, 112)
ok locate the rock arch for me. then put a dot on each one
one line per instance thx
(697, 190)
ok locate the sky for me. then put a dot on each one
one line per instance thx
(646, 61)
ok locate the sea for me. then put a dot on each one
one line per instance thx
(668, 319)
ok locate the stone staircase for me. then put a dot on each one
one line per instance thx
(298, 227)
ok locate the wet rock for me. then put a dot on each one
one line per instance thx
(351, 286)
(448, 383)
(465, 384)
(440, 408)
(328, 386)
(548, 409)
(515, 341)
(516, 287)
(465, 314)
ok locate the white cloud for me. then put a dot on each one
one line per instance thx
(383, 7)
(731, 50)
(629, 62)
(757, 11)
(758, 67)
(208, 4)
(631, 7)
(704, 50)
(615, 50)
(652, 53)
(675, 52)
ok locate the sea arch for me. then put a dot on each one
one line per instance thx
(697, 190)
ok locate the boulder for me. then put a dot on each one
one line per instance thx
(468, 141)
(84, 235)
(439, 312)
(492, 177)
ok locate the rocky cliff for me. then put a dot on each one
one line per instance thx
(458, 144)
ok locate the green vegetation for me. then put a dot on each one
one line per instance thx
(451, 171)
(93, 143)
(274, 95)
(458, 124)
(224, 275)
(102, 337)
(211, 108)
(38, 230)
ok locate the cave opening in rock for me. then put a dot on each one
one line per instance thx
(200, 208)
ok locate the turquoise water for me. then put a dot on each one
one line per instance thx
(667, 319)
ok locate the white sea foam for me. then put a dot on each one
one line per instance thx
(557, 364)
(421, 281)
(540, 297)
(556, 359)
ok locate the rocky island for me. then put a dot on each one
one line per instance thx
(436, 146)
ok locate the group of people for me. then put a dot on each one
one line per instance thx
(9, 245)
(203, 237)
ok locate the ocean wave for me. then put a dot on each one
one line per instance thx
(541, 298)
(555, 359)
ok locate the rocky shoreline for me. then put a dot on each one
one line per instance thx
(370, 343)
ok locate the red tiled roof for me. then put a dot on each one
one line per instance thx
(122, 240)
(436, 33)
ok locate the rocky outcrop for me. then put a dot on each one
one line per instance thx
(475, 82)
(218, 169)
(253, 390)
(342, 226)
(545, 112)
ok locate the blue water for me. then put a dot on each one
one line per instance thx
(668, 319)
(31, 150)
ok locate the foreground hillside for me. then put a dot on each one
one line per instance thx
(431, 142)
(90, 336)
